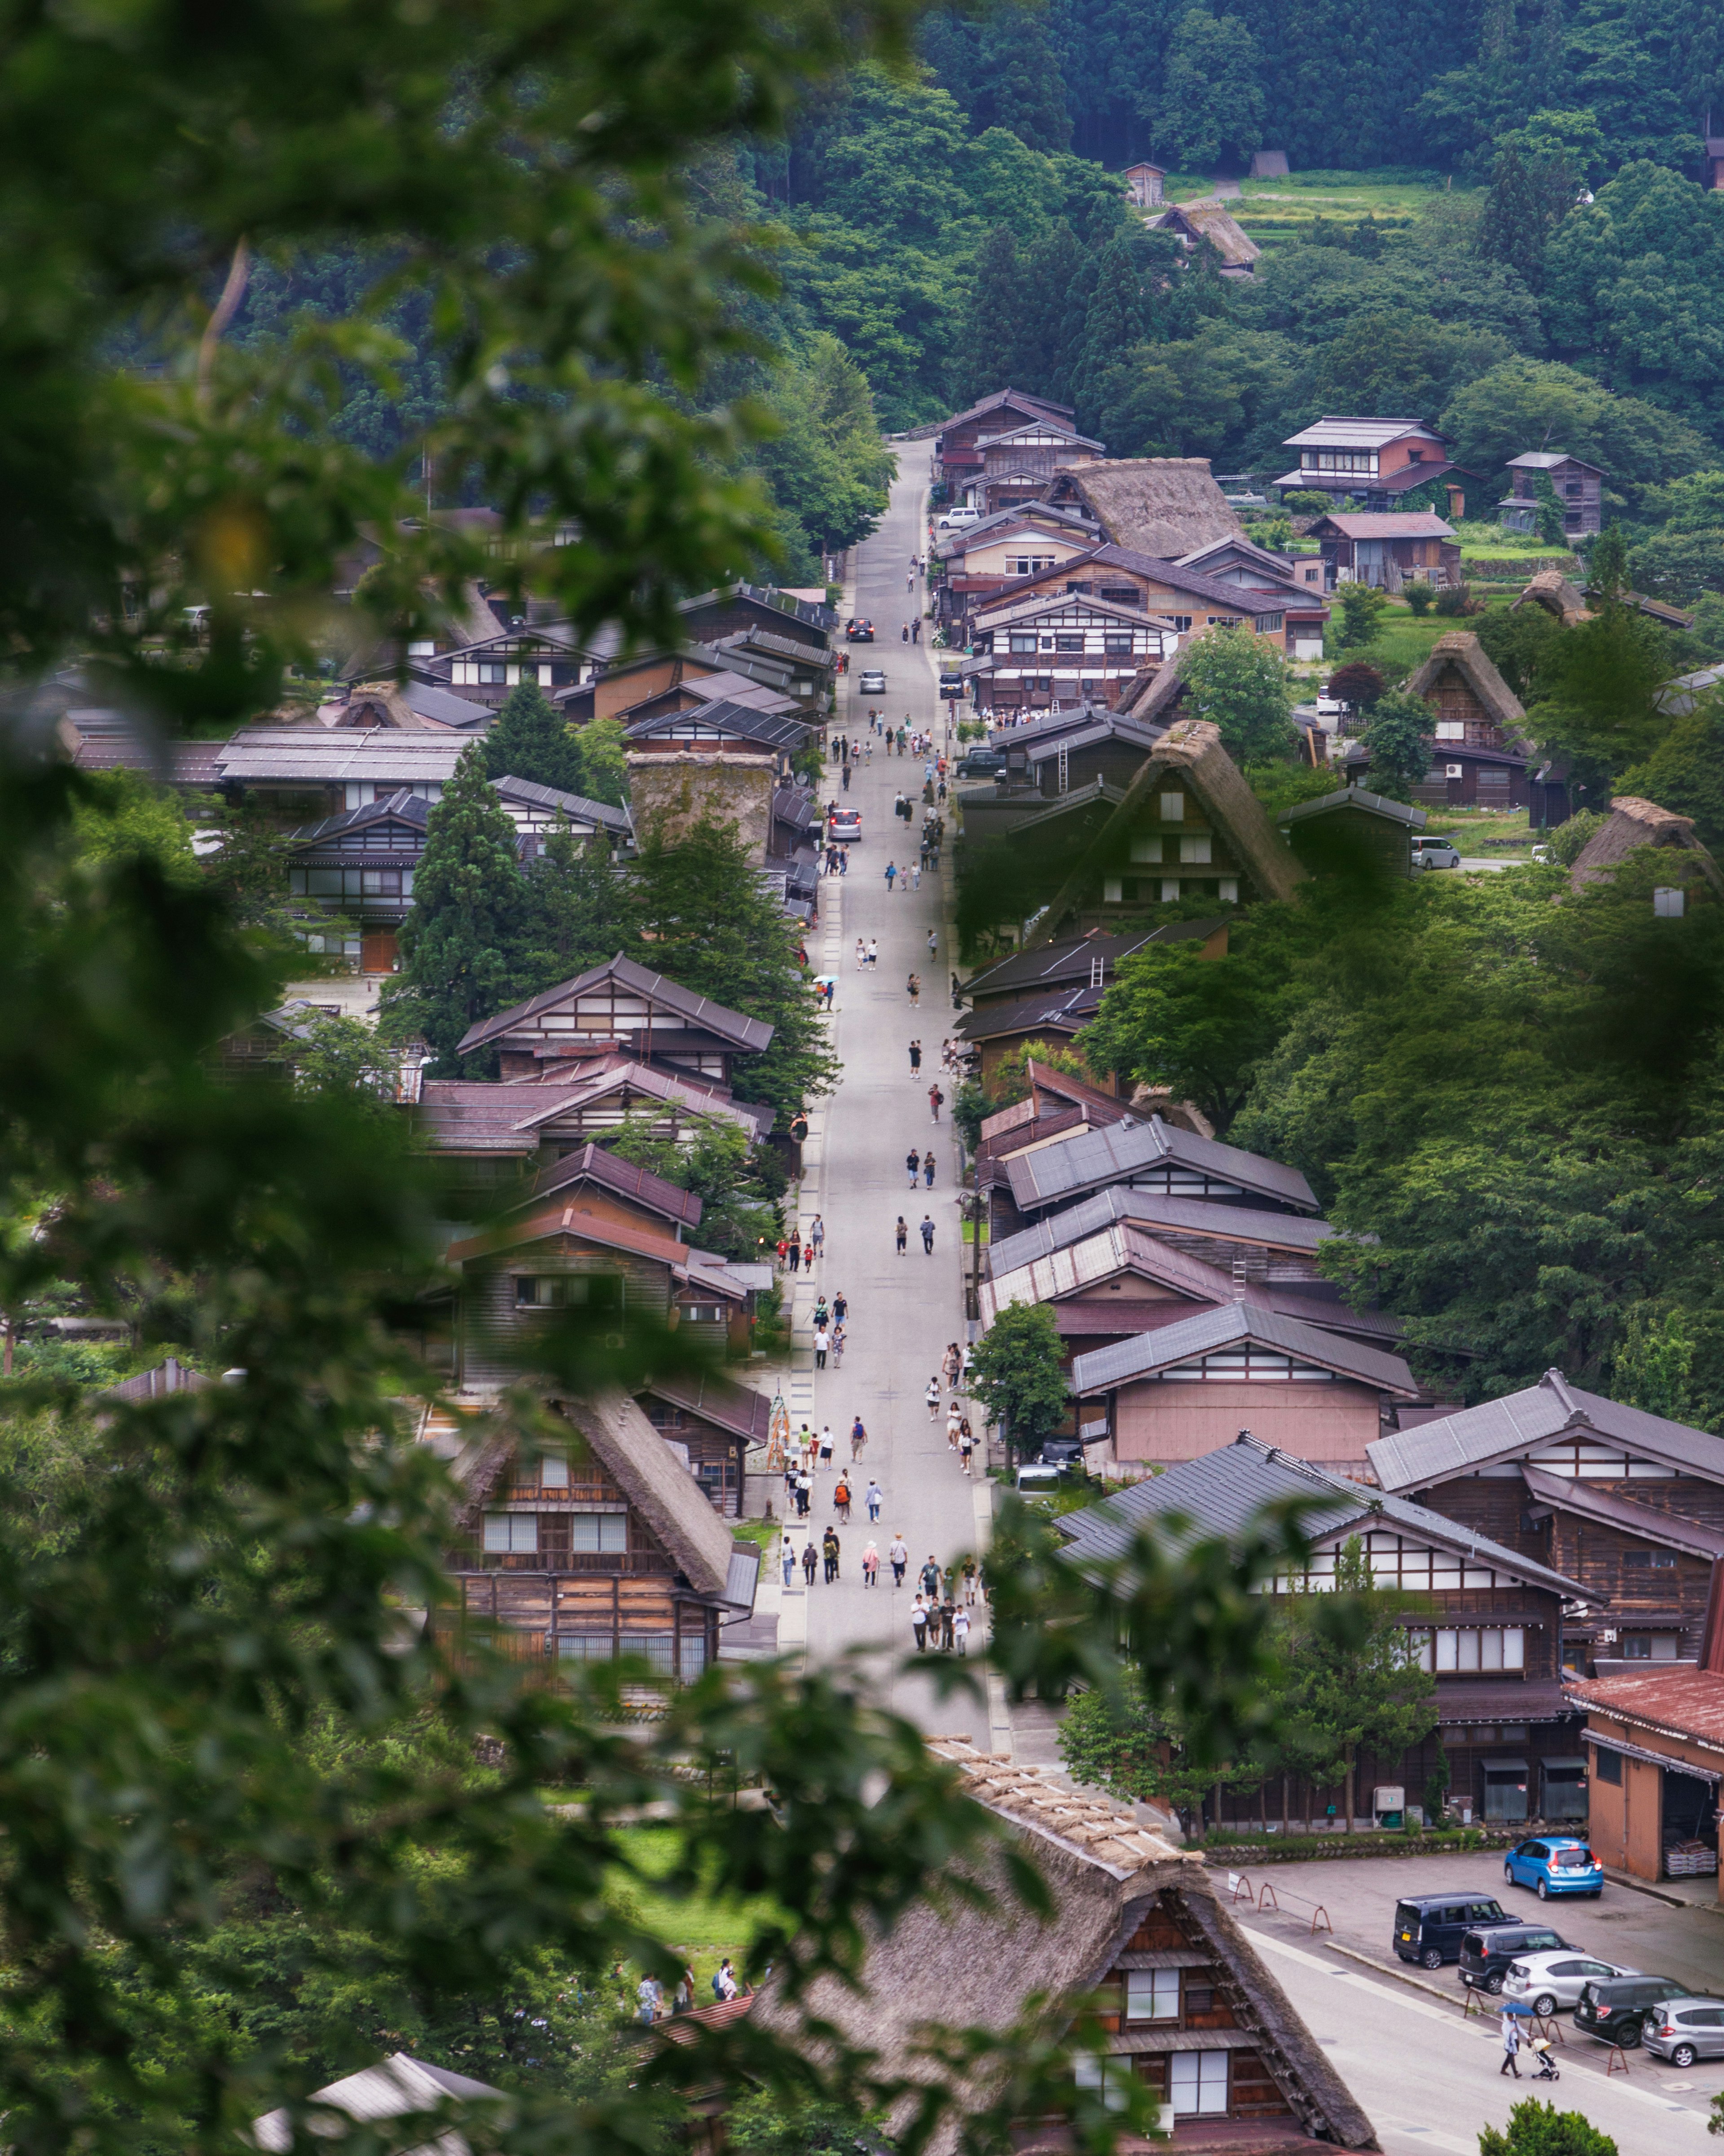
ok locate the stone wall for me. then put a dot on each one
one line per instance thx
(670, 794)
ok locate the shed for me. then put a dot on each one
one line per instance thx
(1351, 827)
(1268, 165)
(1145, 183)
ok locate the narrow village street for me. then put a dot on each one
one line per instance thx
(903, 1310)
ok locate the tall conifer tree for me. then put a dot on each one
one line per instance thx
(532, 740)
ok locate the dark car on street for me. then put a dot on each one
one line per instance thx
(860, 632)
(1615, 2009)
(1429, 1928)
(982, 763)
(1487, 1952)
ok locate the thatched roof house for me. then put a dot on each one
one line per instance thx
(1188, 2005)
(1211, 220)
(1163, 506)
(1188, 827)
(1460, 679)
(1634, 823)
(1551, 590)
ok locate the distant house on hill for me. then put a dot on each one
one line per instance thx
(1353, 823)
(1194, 222)
(1375, 461)
(1387, 550)
(1634, 823)
(1145, 183)
(957, 453)
(1579, 489)
(1480, 756)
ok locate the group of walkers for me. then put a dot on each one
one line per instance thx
(922, 1166)
(900, 1235)
(796, 1250)
(650, 1992)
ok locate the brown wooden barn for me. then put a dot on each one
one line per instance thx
(1389, 549)
(1480, 754)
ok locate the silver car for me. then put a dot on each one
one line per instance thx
(1685, 2030)
(1435, 853)
(1549, 1981)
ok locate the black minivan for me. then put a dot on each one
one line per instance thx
(1487, 1953)
(1614, 2009)
(1429, 1928)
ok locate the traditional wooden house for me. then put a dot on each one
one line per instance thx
(1551, 590)
(417, 707)
(1209, 223)
(1479, 755)
(1487, 1621)
(717, 1423)
(1655, 1742)
(1374, 461)
(1353, 829)
(978, 561)
(958, 456)
(1578, 487)
(1156, 1158)
(626, 688)
(1074, 748)
(295, 774)
(608, 1549)
(536, 811)
(721, 728)
(597, 1183)
(1387, 551)
(1632, 823)
(486, 671)
(1037, 647)
(1180, 1391)
(1161, 506)
(358, 866)
(1630, 1503)
(735, 609)
(1144, 183)
(622, 1004)
(1252, 1248)
(1032, 449)
(1237, 560)
(1184, 599)
(1091, 961)
(396, 2087)
(1187, 2007)
(1188, 827)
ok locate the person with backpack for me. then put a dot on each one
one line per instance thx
(936, 1101)
(903, 1234)
(841, 1498)
(858, 1438)
(829, 1548)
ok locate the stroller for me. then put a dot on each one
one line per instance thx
(1540, 2047)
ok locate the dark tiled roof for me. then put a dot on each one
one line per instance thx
(1066, 1010)
(750, 1034)
(743, 721)
(1073, 958)
(1143, 1356)
(1414, 1459)
(401, 807)
(1079, 1164)
(575, 806)
(737, 1408)
(593, 1164)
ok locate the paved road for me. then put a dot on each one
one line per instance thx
(1428, 2080)
(903, 1310)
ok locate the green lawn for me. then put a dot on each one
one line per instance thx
(702, 1927)
(1272, 210)
(1402, 640)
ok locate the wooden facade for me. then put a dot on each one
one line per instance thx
(1051, 648)
(1352, 829)
(1372, 462)
(619, 1002)
(1655, 1747)
(957, 455)
(716, 1422)
(1578, 485)
(1120, 577)
(1388, 551)
(1479, 752)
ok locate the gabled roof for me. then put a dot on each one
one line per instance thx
(1500, 1429)
(1356, 797)
(1220, 1494)
(1211, 220)
(1192, 750)
(1337, 431)
(1022, 601)
(1000, 523)
(1586, 1500)
(1184, 1216)
(401, 807)
(657, 1485)
(1076, 1165)
(1548, 460)
(1210, 1331)
(549, 1220)
(1163, 505)
(1235, 597)
(554, 637)
(259, 754)
(1068, 435)
(1387, 524)
(575, 806)
(412, 702)
(1059, 1010)
(1075, 958)
(1551, 590)
(394, 2088)
(752, 1034)
(1020, 397)
(1633, 822)
(1276, 567)
(592, 1164)
(740, 721)
(736, 1407)
(1117, 1248)
(1461, 649)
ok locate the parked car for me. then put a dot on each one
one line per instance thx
(955, 520)
(1429, 1928)
(843, 826)
(1685, 2030)
(1038, 1478)
(1435, 854)
(1615, 2009)
(1548, 1981)
(981, 763)
(871, 681)
(1488, 1953)
(1554, 1864)
(860, 632)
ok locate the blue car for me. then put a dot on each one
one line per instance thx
(1554, 1864)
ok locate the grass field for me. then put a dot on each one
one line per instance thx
(702, 1927)
(1279, 209)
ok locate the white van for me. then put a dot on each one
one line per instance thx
(955, 519)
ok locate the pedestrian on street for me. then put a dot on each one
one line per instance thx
(891, 875)
(808, 1561)
(873, 951)
(919, 1623)
(858, 1438)
(870, 1566)
(783, 1253)
(898, 1557)
(822, 1341)
(902, 1233)
(969, 1582)
(929, 1580)
(933, 943)
(861, 954)
(966, 1445)
(829, 1550)
(961, 1629)
(817, 1238)
(927, 1233)
(841, 1497)
(913, 1165)
(840, 1342)
(1511, 2044)
(915, 986)
(874, 1498)
(845, 777)
(840, 1307)
(932, 1397)
(936, 1100)
(826, 1446)
(916, 1057)
(948, 1612)
(951, 1423)
(949, 1363)
(796, 1254)
(788, 1561)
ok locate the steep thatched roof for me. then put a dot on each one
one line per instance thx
(1160, 505)
(1211, 220)
(656, 1484)
(1105, 1871)
(1637, 823)
(1551, 590)
(1461, 649)
(1192, 747)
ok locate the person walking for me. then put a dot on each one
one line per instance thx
(840, 1341)
(912, 1164)
(951, 1423)
(936, 1101)
(969, 1582)
(858, 1438)
(840, 1307)
(796, 1254)
(902, 1233)
(861, 954)
(916, 1057)
(898, 1557)
(841, 1498)
(916, 874)
(919, 1623)
(874, 1497)
(822, 1341)
(929, 1580)
(787, 1563)
(932, 1397)
(829, 1550)
(915, 985)
(826, 1446)
(817, 1238)
(948, 1615)
(966, 1445)
(808, 1561)
(870, 1566)
(873, 951)
(783, 1253)
(927, 1171)
(961, 1629)
(804, 1493)
(950, 1363)
(891, 877)
(933, 943)
(927, 1233)
(1510, 2043)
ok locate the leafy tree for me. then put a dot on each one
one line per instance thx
(1120, 1744)
(1212, 93)
(1010, 1082)
(530, 740)
(1568, 841)
(460, 943)
(604, 765)
(986, 353)
(1357, 684)
(576, 912)
(348, 1060)
(1552, 528)
(1654, 1363)
(1598, 688)
(1239, 683)
(1540, 2129)
(1516, 638)
(828, 468)
(737, 1189)
(1399, 740)
(1418, 596)
(1020, 1376)
(1395, 360)
(1678, 566)
(1531, 190)
(1017, 83)
(1686, 771)
(1116, 318)
(1361, 607)
(1526, 403)
(1607, 573)
(1695, 503)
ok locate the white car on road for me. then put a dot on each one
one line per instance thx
(1549, 1981)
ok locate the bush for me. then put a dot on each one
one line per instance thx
(1307, 501)
(1566, 841)
(1360, 606)
(1419, 597)
(1456, 600)
(1540, 2129)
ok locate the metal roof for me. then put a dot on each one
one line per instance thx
(745, 722)
(1114, 1247)
(1119, 1201)
(1684, 1700)
(1414, 1459)
(1388, 524)
(575, 806)
(1547, 460)
(1588, 1502)
(1073, 958)
(752, 1034)
(1170, 1345)
(400, 807)
(1115, 1156)
(331, 755)
(1356, 796)
(1221, 1494)
(1335, 431)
